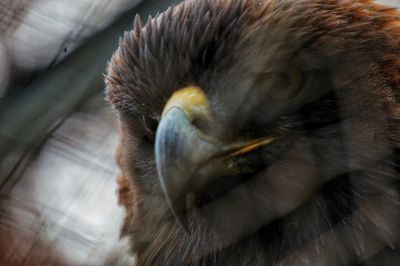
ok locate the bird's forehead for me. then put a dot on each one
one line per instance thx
(186, 44)
(217, 45)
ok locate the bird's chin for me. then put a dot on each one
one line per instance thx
(252, 166)
(216, 189)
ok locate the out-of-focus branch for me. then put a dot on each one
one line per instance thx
(27, 113)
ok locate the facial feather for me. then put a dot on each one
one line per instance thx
(327, 192)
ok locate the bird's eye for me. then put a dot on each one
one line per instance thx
(286, 85)
(150, 127)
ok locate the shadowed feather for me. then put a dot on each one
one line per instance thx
(321, 75)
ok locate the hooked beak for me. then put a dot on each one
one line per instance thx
(188, 158)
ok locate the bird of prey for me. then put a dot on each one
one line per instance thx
(260, 132)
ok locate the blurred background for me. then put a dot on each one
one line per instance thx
(58, 204)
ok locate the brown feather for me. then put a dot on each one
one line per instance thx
(335, 190)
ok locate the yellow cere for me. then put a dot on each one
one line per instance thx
(192, 100)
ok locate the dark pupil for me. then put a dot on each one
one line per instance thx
(283, 81)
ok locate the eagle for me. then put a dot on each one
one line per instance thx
(260, 132)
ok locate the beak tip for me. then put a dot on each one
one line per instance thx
(177, 209)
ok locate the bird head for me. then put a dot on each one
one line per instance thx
(237, 114)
